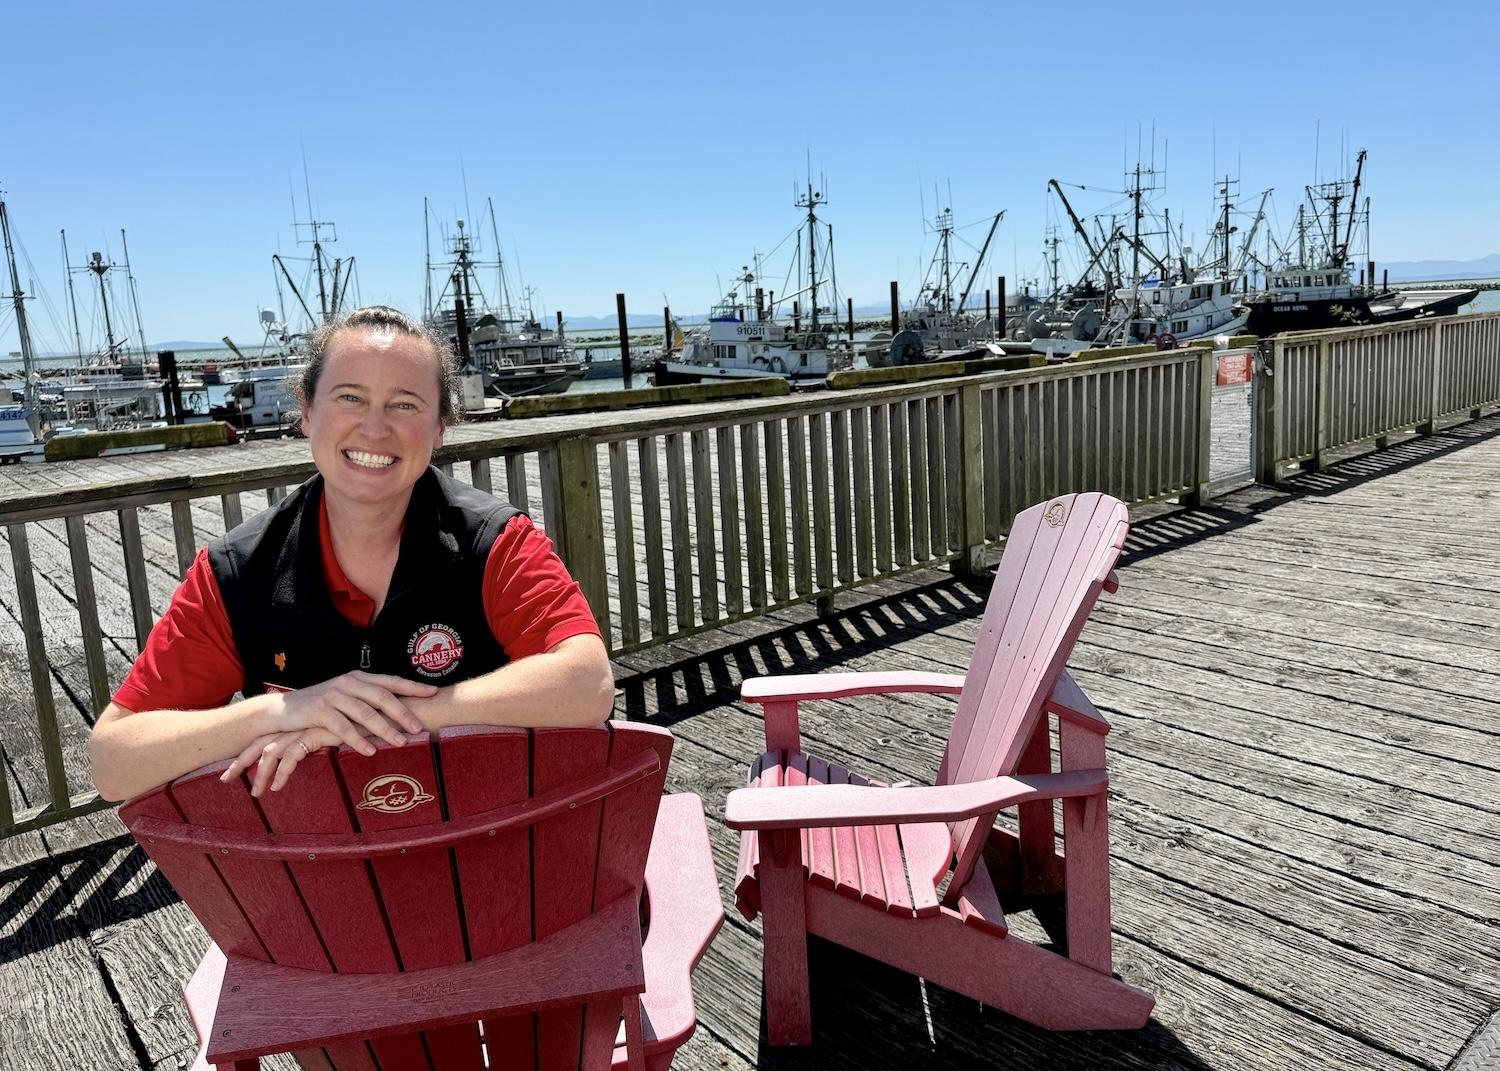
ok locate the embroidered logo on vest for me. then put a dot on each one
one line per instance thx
(434, 650)
(392, 794)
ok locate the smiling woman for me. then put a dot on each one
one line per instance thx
(380, 598)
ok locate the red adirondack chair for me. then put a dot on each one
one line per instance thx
(829, 852)
(468, 900)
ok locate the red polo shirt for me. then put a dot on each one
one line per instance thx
(190, 661)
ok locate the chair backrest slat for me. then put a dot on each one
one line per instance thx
(339, 895)
(266, 894)
(1054, 566)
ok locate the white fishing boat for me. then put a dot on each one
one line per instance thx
(745, 341)
(493, 334)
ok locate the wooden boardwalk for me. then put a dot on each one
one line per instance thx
(1305, 688)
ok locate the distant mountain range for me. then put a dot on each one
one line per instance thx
(1404, 271)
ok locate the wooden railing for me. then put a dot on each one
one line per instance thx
(1331, 390)
(673, 520)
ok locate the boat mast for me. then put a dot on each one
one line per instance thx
(18, 298)
(427, 265)
(72, 302)
(810, 201)
(945, 236)
(99, 268)
(135, 300)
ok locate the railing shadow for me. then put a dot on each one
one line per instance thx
(92, 887)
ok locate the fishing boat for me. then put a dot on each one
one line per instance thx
(494, 335)
(744, 341)
(1312, 288)
(937, 327)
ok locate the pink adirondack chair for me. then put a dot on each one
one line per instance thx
(469, 900)
(829, 852)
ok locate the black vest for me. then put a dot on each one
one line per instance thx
(432, 627)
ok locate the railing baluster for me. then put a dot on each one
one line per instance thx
(954, 465)
(229, 505)
(682, 541)
(515, 482)
(843, 509)
(656, 551)
(729, 514)
(817, 424)
(900, 500)
(916, 445)
(801, 533)
(990, 461)
(479, 473)
(619, 489)
(937, 486)
(182, 535)
(776, 487)
(755, 524)
(864, 536)
(88, 611)
(135, 573)
(882, 464)
(703, 507)
(41, 675)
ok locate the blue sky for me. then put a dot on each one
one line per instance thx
(650, 149)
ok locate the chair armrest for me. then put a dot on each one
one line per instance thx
(796, 687)
(812, 806)
(1068, 702)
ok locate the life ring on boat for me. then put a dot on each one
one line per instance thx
(760, 362)
(777, 365)
(1166, 341)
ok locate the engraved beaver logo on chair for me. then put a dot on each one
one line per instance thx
(393, 794)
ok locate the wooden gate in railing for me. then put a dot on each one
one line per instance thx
(673, 520)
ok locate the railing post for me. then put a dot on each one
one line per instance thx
(969, 492)
(1203, 447)
(1437, 378)
(575, 520)
(1323, 404)
(1267, 396)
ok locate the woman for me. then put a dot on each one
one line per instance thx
(380, 598)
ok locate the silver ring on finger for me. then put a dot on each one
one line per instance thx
(303, 745)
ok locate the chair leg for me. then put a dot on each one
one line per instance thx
(635, 1035)
(1040, 873)
(784, 939)
(1086, 836)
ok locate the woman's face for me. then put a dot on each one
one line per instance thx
(374, 419)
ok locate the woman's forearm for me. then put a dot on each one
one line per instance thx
(132, 752)
(570, 685)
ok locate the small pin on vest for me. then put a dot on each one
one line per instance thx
(280, 660)
(364, 658)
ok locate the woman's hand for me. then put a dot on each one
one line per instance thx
(352, 707)
(279, 755)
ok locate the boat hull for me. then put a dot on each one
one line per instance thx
(512, 381)
(1274, 317)
(674, 373)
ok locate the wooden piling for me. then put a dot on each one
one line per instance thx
(796, 315)
(624, 339)
(850, 306)
(895, 307)
(987, 295)
(666, 320)
(1000, 304)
